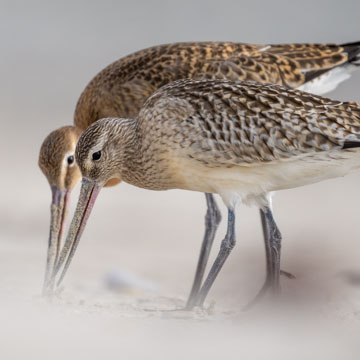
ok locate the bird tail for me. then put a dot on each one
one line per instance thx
(353, 51)
(351, 144)
(324, 80)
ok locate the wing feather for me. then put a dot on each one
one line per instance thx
(247, 122)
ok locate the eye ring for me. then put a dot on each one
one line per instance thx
(96, 155)
(70, 159)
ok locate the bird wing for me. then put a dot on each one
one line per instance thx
(122, 87)
(246, 122)
(260, 67)
(291, 65)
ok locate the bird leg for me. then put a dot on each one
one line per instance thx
(272, 238)
(267, 249)
(212, 220)
(226, 246)
(266, 243)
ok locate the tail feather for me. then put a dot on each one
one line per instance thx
(325, 80)
(351, 144)
(353, 51)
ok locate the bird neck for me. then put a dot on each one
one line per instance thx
(131, 160)
(137, 162)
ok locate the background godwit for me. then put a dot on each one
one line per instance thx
(121, 89)
(240, 140)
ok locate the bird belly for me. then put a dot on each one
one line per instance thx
(250, 183)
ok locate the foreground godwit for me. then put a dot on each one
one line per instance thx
(240, 140)
(121, 89)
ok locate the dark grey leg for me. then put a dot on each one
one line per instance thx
(275, 249)
(212, 220)
(266, 243)
(267, 249)
(226, 246)
(272, 238)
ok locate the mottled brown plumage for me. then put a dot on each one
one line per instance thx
(215, 124)
(122, 88)
(240, 140)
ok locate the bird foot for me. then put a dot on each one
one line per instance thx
(287, 274)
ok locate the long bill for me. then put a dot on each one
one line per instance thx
(58, 213)
(88, 193)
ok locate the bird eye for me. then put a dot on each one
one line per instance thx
(70, 159)
(96, 155)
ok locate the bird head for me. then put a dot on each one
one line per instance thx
(57, 158)
(57, 162)
(101, 153)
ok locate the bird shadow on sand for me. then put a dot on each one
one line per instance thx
(351, 277)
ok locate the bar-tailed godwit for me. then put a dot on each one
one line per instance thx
(241, 140)
(121, 89)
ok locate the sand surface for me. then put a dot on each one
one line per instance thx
(149, 241)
